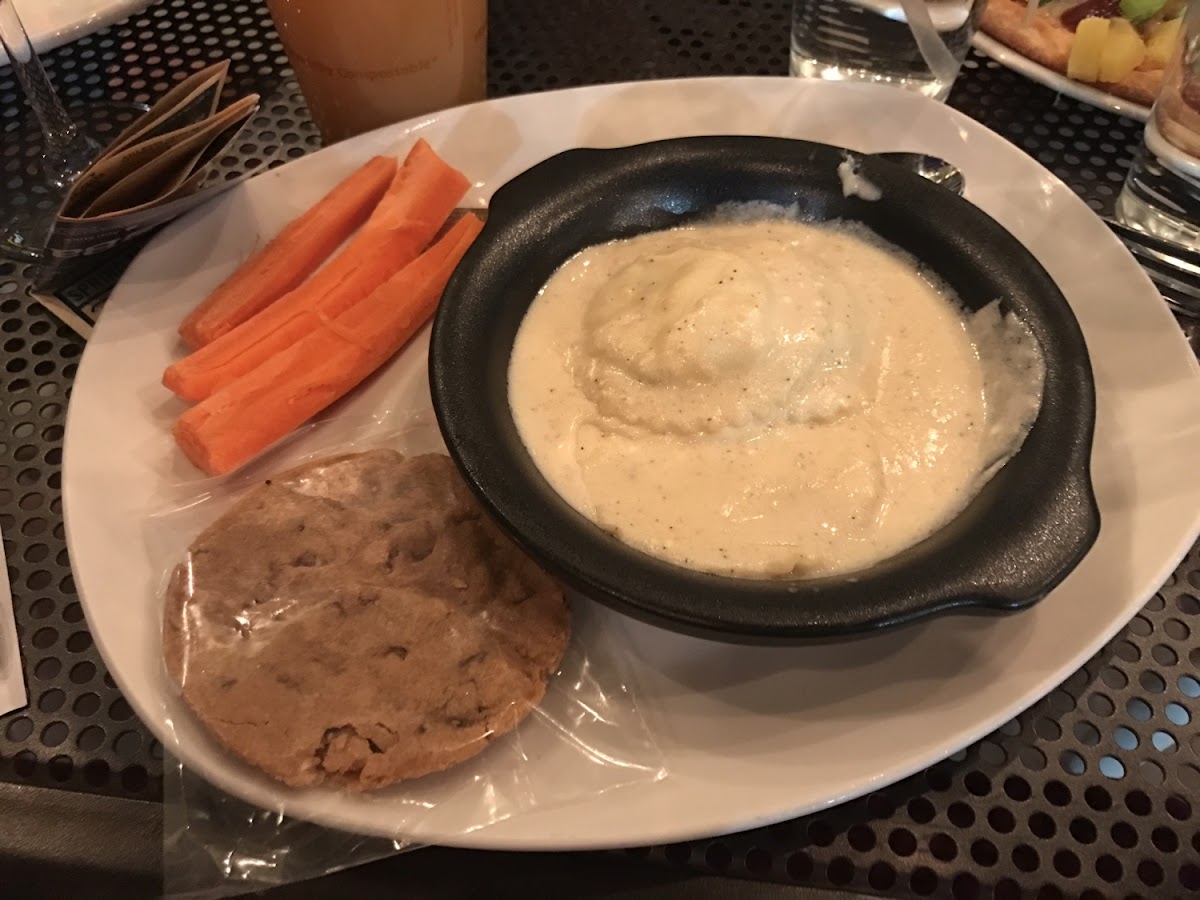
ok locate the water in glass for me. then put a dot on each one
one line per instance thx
(1162, 190)
(914, 44)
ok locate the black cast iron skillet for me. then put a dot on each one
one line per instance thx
(1028, 527)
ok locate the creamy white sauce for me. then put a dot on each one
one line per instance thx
(855, 184)
(766, 398)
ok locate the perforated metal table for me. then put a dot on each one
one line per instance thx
(1091, 793)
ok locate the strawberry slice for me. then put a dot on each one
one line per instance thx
(1090, 9)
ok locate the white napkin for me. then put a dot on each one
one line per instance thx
(12, 682)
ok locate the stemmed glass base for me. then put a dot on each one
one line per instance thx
(25, 226)
(66, 150)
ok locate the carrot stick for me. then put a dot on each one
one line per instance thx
(292, 255)
(422, 195)
(262, 406)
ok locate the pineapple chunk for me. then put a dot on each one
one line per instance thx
(1084, 62)
(1122, 53)
(1160, 46)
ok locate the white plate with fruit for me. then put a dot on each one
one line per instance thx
(1109, 53)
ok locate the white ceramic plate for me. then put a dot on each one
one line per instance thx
(52, 23)
(1023, 65)
(751, 735)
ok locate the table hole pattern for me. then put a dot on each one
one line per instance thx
(1084, 795)
(60, 739)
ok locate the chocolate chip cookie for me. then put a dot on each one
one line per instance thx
(359, 621)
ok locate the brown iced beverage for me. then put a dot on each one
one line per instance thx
(366, 63)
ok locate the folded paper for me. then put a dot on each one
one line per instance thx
(12, 682)
(158, 168)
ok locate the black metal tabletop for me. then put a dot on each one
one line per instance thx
(1090, 794)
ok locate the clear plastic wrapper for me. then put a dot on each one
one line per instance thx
(215, 845)
(352, 641)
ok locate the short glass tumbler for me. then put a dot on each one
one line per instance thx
(913, 44)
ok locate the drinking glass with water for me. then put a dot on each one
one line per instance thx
(915, 44)
(1161, 195)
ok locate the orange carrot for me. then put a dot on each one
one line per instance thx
(422, 195)
(292, 255)
(262, 406)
